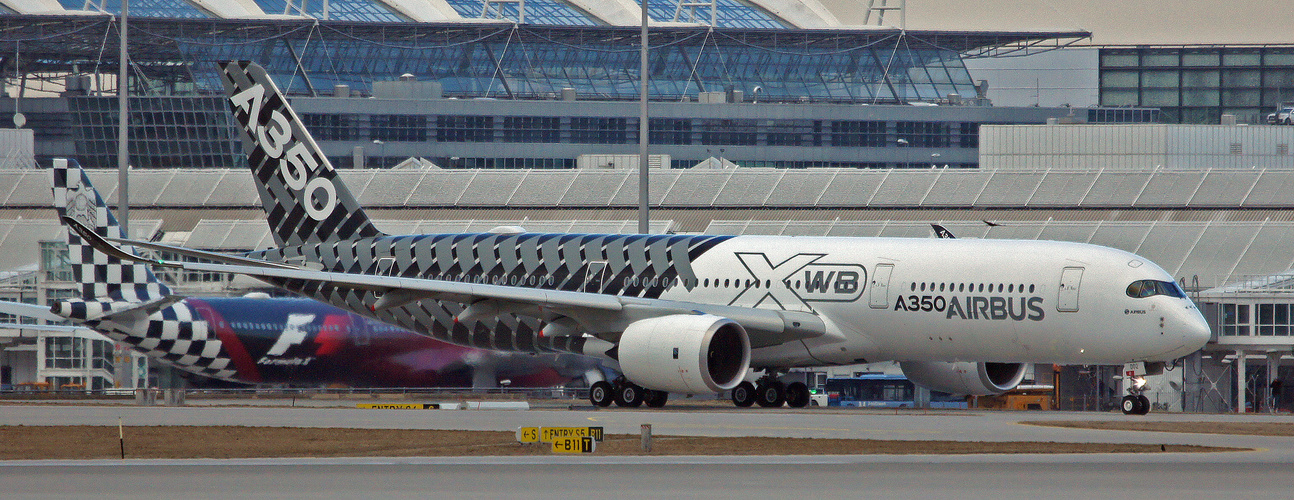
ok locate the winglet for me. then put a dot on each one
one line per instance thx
(942, 232)
(103, 245)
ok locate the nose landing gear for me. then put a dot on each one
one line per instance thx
(1135, 404)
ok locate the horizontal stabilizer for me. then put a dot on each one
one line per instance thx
(29, 310)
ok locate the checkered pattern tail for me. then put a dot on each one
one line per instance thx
(102, 277)
(303, 197)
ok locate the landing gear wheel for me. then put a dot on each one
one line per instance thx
(629, 395)
(1144, 403)
(600, 394)
(743, 395)
(1130, 404)
(771, 394)
(797, 395)
(656, 399)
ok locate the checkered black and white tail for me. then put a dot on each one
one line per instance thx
(102, 277)
(303, 197)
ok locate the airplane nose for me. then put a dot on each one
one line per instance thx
(1197, 332)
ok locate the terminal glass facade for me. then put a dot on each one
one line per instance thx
(537, 12)
(142, 8)
(530, 62)
(165, 132)
(731, 14)
(1199, 84)
(338, 10)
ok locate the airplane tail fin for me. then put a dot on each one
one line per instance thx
(102, 277)
(304, 198)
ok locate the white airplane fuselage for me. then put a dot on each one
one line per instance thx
(951, 300)
(903, 299)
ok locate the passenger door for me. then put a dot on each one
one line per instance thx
(880, 293)
(1070, 278)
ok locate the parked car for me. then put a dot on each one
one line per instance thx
(1282, 117)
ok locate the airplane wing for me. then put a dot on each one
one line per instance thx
(604, 316)
(29, 310)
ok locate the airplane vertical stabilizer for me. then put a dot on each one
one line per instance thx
(302, 194)
(102, 277)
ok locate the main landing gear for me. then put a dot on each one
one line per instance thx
(769, 392)
(625, 394)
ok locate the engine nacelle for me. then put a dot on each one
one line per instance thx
(685, 353)
(964, 378)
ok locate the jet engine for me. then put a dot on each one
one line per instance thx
(685, 353)
(964, 378)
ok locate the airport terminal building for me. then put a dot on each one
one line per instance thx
(777, 83)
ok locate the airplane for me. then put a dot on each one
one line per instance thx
(694, 314)
(263, 340)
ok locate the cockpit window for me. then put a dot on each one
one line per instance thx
(1149, 288)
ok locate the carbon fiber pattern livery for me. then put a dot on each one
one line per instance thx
(300, 192)
(626, 265)
(316, 220)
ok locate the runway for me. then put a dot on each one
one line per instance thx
(1263, 473)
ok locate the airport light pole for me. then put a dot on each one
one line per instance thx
(382, 158)
(123, 155)
(644, 216)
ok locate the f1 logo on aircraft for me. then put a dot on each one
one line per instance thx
(294, 333)
(799, 280)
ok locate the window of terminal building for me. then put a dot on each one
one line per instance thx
(1118, 115)
(1229, 319)
(537, 163)
(332, 127)
(1273, 319)
(729, 132)
(599, 130)
(1198, 84)
(65, 352)
(852, 133)
(465, 129)
(923, 134)
(670, 130)
(791, 132)
(54, 262)
(400, 128)
(543, 129)
(968, 135)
